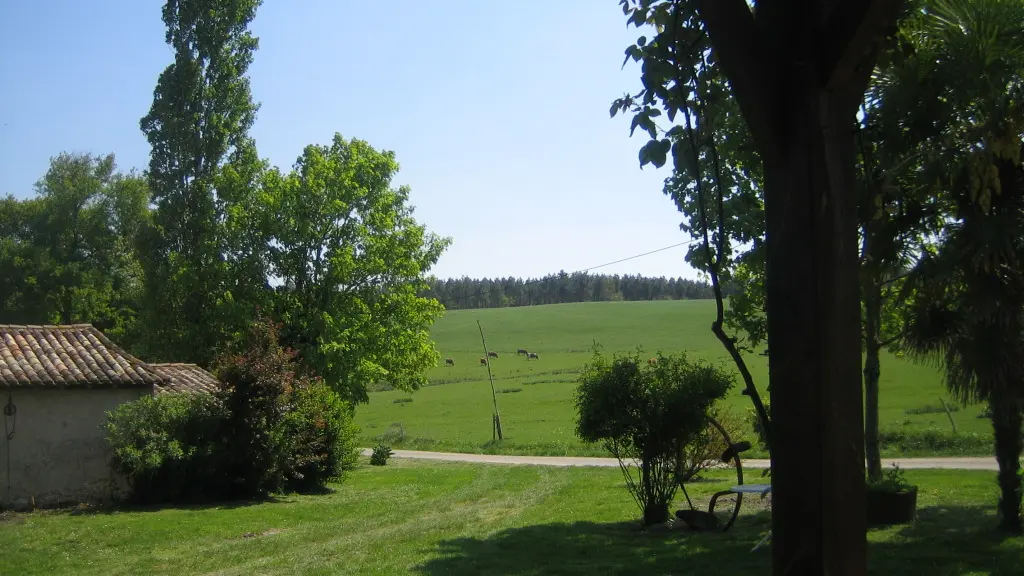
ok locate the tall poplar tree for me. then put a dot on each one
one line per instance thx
(199, 121)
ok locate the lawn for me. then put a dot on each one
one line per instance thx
(430, 518)
(535, 396)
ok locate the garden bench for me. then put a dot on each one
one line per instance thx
(762, 489)
(700, 520)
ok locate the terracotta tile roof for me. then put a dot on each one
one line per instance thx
(185, 378)
(75, 355)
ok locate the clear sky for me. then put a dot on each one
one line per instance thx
(497, 112)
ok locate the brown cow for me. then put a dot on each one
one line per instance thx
(652, 361)
(483, 361)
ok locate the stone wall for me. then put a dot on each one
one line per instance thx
(59, 454)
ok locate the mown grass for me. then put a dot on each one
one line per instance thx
(454, 413)
(431, 518)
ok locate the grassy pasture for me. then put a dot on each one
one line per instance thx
(536, 408)
(428, 518)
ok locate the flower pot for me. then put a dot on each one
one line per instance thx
(885, 507)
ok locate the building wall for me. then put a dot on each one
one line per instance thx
(59, 453)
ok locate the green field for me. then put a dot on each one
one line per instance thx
(450, 518)
(535, 396)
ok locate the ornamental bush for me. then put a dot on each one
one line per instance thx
(648, 413)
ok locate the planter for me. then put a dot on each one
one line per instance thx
(885, 507)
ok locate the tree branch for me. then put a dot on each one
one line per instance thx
(892, 279)
(850, 39)
(737, 42)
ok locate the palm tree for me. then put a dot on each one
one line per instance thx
(967, 303)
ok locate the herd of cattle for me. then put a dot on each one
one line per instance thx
(449, 361)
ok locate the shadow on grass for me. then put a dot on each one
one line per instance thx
(191, 506)
(612, 548)
(943, 541)
(948, 540)
(134, 507)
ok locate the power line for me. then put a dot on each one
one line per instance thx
(637, 256)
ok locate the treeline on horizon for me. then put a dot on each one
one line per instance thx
(469, 293)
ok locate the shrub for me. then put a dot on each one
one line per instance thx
(269, 428)
(166, 445)
(256, 384)
(380, 455)
(394, 435)
(894, 481)
(321, 437)
(934, 440)
(647, 413)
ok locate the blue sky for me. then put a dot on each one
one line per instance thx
(497, 112)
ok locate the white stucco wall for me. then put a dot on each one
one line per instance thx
(59, 453)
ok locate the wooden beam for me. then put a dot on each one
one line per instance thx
(850, 39)
(737, 42)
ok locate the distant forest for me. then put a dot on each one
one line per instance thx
(467, 293)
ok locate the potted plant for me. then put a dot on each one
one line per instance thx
(892, 500)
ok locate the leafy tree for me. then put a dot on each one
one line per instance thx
(717, 178)
(899, 208)
(199, 120)
(352, 259)
(67, 255)
(648, 414)
(967, 296)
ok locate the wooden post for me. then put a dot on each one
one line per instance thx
(494, 397)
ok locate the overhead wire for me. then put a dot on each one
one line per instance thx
(583, 270)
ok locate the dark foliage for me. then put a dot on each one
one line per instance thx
(465, 293)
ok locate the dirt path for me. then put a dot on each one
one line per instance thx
(956, 463)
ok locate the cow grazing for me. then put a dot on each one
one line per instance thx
(521, 351)
(483, 361)
(449, 362)
(532, 355)
(492, 354)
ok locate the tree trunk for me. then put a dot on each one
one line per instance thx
(872, 373)
(798, 70)
(1006, 422)
(814, 337)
